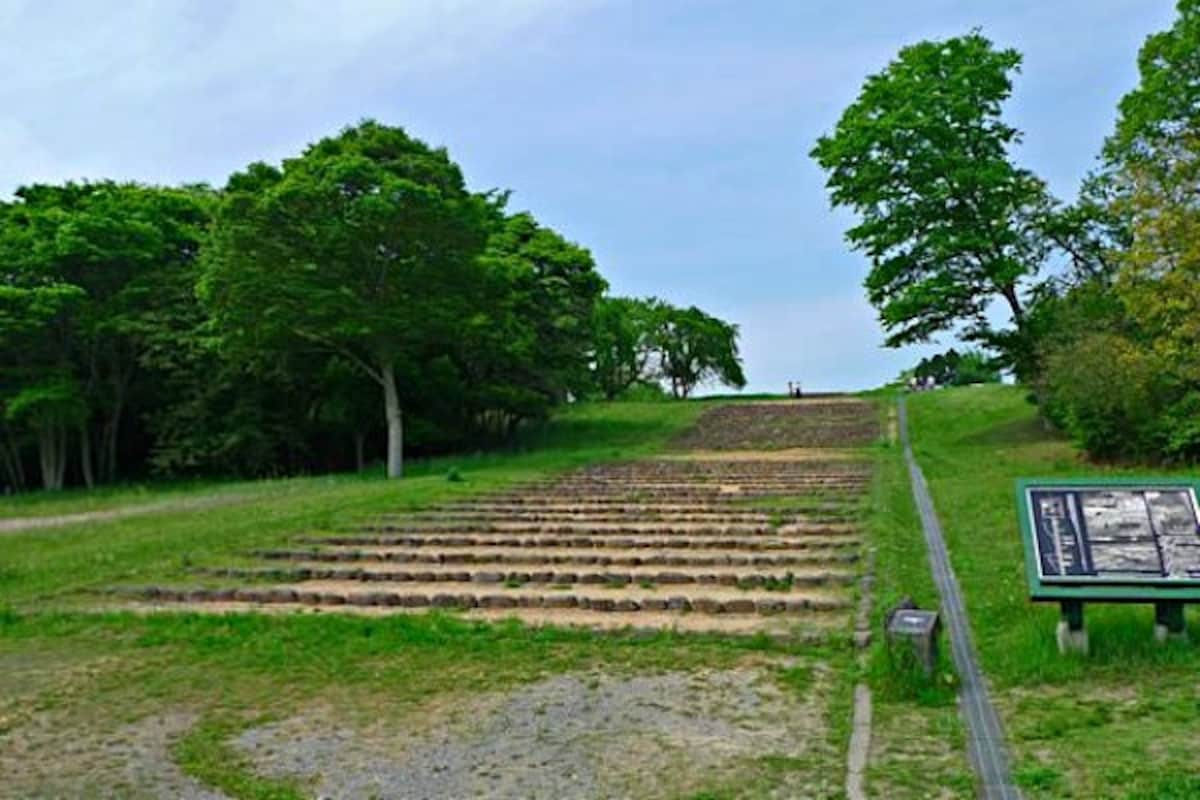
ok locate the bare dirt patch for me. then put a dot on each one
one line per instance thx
(49, 758)
(570, 736)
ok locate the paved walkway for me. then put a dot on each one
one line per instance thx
(985, 735)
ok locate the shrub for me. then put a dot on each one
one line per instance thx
(1103, 390)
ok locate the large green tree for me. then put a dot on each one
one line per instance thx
(531, 349)
(623, 343)
(694, 347)
(366, 246)
(127, 252)
(946, 218)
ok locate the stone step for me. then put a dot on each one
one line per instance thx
(692, 598)
(628, 505)
(699, 489)
(676, 468)
(516, 503)
(625, 510)
(792, 541)
(498, 573)
(612, 528)
(688, 491)
(817, 554)
(631, 516)
(811, 628)
(701, 481)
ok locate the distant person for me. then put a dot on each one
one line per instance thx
(790, 392)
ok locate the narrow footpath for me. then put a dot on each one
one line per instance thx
(985, 734)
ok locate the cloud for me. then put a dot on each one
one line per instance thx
(179, 91)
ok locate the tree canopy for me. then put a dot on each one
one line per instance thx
(946, 218)
(365, 247)
(261, 328)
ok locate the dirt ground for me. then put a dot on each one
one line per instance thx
(581, 735)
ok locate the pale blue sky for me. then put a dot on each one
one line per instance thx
(669, 136)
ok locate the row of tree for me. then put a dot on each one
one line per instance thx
(953, 368)
(1102, 295)
(292, 319)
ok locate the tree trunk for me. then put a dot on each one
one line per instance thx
(1014, 303)
(62, 457)
(85, 455)
(11, 456)
(395, 422)
(108, 447)
(52, 456)
(358, 450)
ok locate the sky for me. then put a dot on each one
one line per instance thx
(670, 137)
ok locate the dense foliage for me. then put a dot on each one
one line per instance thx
(303, 315)
(1122, 350)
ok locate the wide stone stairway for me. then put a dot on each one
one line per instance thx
(718, 537)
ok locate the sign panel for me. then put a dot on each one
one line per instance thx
(1116, 533)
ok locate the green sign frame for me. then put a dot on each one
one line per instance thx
(1142, 591)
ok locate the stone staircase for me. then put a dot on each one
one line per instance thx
(710, 544)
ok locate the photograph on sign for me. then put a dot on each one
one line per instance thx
(1127, 534)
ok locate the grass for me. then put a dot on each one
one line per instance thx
(70, 677)
(917, 737)
(59, 567)
(1118, 723)
(577, 435)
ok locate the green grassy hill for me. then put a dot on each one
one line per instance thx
(1119, 723)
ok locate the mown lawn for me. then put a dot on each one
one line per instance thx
(70, 679)
(1118, 723)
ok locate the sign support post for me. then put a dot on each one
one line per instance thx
(1072, 636)
(1168, 621)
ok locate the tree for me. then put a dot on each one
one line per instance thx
(1165, 106)
(128, 251)
(365, 246)
(531, 350)
(953, 368)
(1122, 352)
(694, 347)
(622, 343)
(948, 221)
(37, 394)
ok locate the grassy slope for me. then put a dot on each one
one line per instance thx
(917, 748)
(1120, 723)
(53, 566)
(581, 433)
(84, 675)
